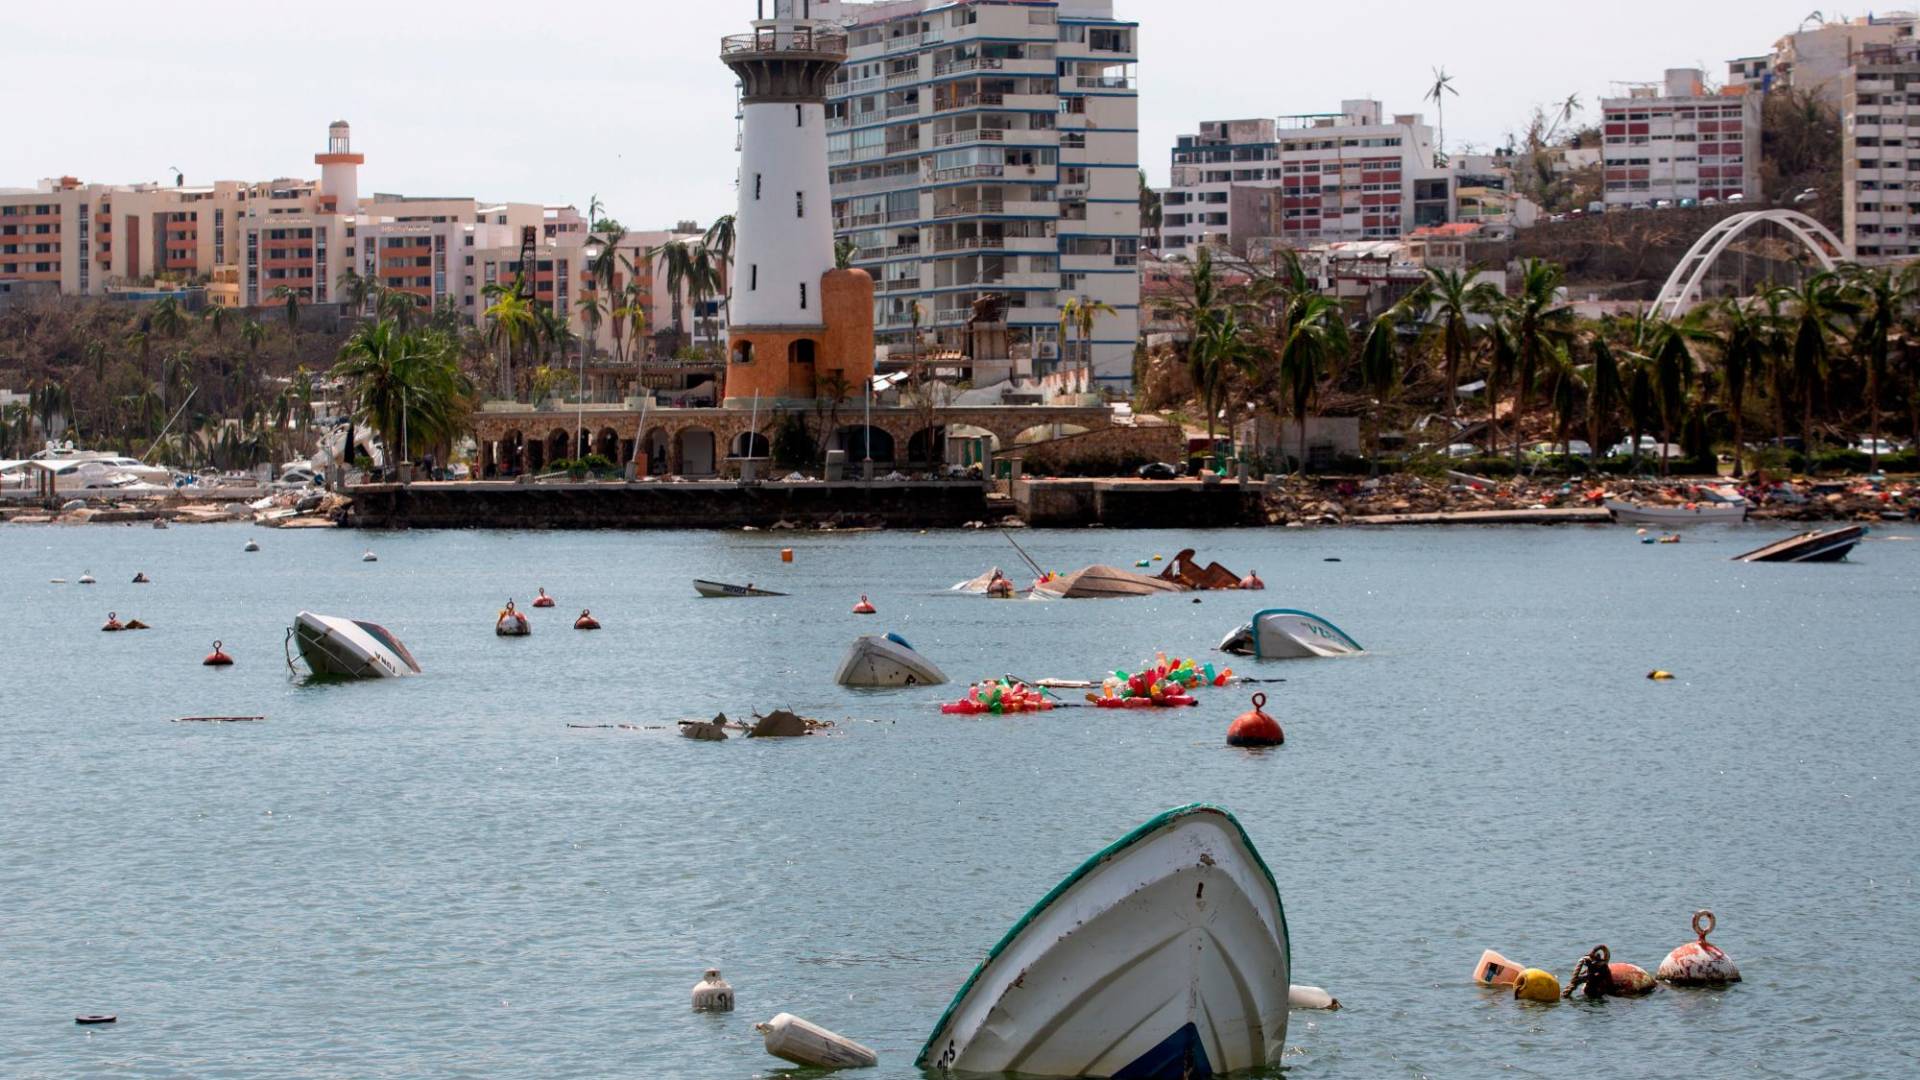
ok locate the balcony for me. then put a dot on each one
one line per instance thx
(894, 285)
(966, 172)
(898, 251)
(960, 67)
(821, 42)
(1103, 82)
(969, 209)
(969, 243)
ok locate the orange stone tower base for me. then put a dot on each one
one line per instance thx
(791, 363)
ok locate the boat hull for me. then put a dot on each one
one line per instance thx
(1103, 583)
(1166, 955)
(348, 649)
(716, 590)
(886, 663)
(1699, 514)
(1832, 545)
(1285, 634)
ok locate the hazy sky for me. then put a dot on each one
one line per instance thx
(557, 100)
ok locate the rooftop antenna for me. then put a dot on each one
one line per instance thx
(179, 178)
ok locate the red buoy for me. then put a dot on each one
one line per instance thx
(864, 607)
(217, 658)
(586, 621)
(1252, 582)
(113, 623)
(1255, 727)
(543, 600)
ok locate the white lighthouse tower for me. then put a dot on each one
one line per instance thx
(790, 311)
(340, 169)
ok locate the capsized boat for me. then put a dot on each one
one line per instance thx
(1285, 634)
(719, 590)
(1166, 955)
(1102, 583)
(1831, 545)
(350, 648)
(1701, 513)
(889, 661)
(1185, 571)
(992, 583)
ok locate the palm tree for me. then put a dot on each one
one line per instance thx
(1540, 324)
(720, 241)
(401, 308)
(511, 326)
(1816, 307)
(407, 387)
(1603, 394)
(1455, 299)
(1201, 310)
(1079, 314)
(218, 317)
(253, 334)
(1565, 392)
(1672, 376)
(632, 316)
(1502, 360)
(290, 297)
(1741, 356)
(1643, 406)
(1313, 336)
(1380, 361)
(356, 290)
(1223, 345)
(1152, 211)
(844, 252)
(167, 318)
(1442, 86)
(1882, 298)
(141, 342)
(676, 259)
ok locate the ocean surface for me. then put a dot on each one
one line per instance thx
(445, 877)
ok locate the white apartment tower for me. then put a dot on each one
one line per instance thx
(1352, 175)
(1673, 140)
(991, 148)
(1881, 154)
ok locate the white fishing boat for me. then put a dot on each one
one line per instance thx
(1700, 513)
(350, 648)
(1285, 634)
(875, 661)
(1166, 955)
(718, 590)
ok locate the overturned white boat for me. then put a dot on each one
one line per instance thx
(887, 662)
(1285, 634)
(350, 648)
(1166, 955)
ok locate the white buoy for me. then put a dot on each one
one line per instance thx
(86, 579)
(251, 546)
(790, 1038)
(369, 557)
(712, 994)
(1311, 997)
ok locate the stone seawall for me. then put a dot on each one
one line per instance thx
(708, 505)
(1136, 504)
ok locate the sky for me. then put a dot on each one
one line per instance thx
(562, 100)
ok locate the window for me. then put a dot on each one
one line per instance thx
(799, 204)
(753, 281)
(799, 116)
(758, 180)
(743, 352)
(803, 296)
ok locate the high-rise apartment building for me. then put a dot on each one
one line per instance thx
(1674, 141)
(990, 149)
(1351, 175)
(1881, 154)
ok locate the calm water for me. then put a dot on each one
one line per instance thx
(438, 877)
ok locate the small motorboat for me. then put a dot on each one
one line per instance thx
(716, 590)
(1285, 634)
(1831, 545)
(1166, 955)
(889, 661)
(1700, 513)
(1102, 583)
(350, 648)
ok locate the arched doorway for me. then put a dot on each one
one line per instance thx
(928, 447)
(656, 451)
(751, 444)
(511, 456)
(607, 445)
(696, 447)
(557, 449)
(855, 440)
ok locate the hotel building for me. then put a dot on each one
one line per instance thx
(1674, 140)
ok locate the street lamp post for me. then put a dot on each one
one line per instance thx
(866, 436)
(592, 252)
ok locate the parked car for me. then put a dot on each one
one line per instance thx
(1687, 204)
(1737, 197)
(1882, 447)
(295, 479)
(1663, 204)
(1158, 470)
(1805, 197)
(1711, 200)
(1650, 447)
(1463, 450)
(1574, 447)
(1642, 206)
(1596, 207)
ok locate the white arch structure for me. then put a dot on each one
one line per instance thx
(1682, 289)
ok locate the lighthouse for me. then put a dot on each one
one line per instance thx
(340, 169)
(793, 318)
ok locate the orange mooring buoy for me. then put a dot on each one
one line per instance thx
(217, 658)
(1699, 963)
(1252, 582)
(586, 621)
(543, 600)
(113, 623)
(864, 607)
(1255, 727)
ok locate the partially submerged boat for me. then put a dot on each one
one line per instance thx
(1184, 571)
(716, 590)
(1286, 634)
(1700, 513)
(1830, 545)
(1102, 583)
(1165, 955)
(888, 661)
(993, 583)
(350, 648)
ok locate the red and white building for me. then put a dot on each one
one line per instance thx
(1674, 140)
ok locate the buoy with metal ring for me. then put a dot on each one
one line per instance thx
(142, 579)
(369, 556)
(1255, 728)
(543, 600)
(586, 621)
(1597, 976)
(864, 607)
(217, 658)
(511, 623)
(712, 994)
(251, 546)
(113, 623)
(1657, 675)
(1537, 986)
(96, 1018)
(1252, 582)
(1699, 963)
(86, 579)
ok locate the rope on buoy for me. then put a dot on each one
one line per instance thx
(217, 658)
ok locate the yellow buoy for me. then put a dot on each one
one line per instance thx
(1660, 676)
(1537, 985)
